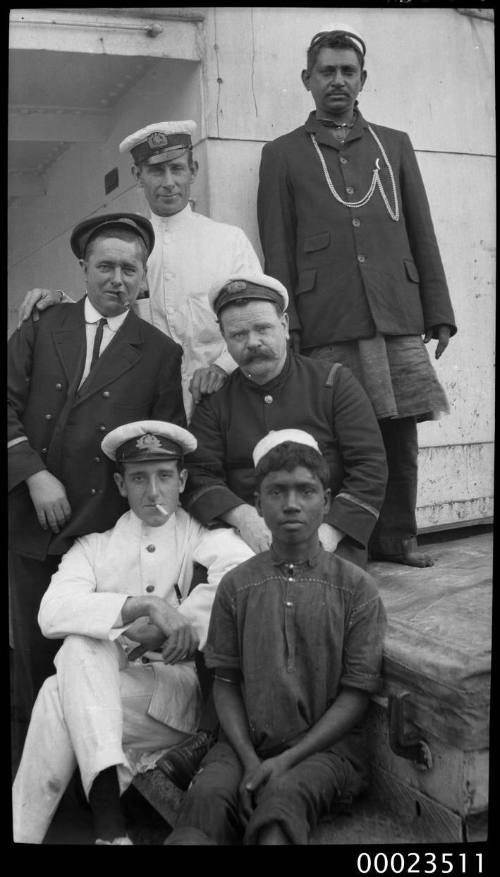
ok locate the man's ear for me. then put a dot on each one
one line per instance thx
(364, 74)
(136, 173)
(120, 483)
(327, 500)
(305, 76)
(257, 502)
(183, 474)
(286, 324)
(194, 170)
(83, 265)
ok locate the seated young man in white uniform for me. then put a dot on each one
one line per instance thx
(126, 683)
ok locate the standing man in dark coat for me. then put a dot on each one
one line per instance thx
(74, 375)
(345, 225)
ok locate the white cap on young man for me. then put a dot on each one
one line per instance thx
(277, 437)
(148, 441)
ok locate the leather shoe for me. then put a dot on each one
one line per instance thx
(181, 762)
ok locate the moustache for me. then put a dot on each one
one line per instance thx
(255, 357)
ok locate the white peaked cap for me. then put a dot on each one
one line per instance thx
(159, 141)
(277, 437)
(145, 440)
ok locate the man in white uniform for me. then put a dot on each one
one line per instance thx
(191, 253)
(125, 682)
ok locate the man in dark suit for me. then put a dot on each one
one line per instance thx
(74, 375)
(345, 226)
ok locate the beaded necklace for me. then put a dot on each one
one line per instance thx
(376, 182)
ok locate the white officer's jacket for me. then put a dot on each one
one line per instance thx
(191, 253)
(101, 570)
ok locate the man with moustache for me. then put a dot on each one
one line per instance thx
(274, 388)
(345, 225)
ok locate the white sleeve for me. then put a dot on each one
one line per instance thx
(244, 257)
(219, 551)
(71, 603)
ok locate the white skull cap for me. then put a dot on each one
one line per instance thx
(277, 437)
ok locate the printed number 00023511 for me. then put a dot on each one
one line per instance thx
(420, 863)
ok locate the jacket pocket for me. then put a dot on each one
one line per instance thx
(306, 281)
(317, 242)
(411, 271)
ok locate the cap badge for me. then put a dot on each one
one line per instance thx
(236, 286)
(148, 442)
(157, 139)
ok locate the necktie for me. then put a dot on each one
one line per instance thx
(97, 342)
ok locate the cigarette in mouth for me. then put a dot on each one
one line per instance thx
(161, 509)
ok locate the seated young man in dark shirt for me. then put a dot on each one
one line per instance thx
(295, 640)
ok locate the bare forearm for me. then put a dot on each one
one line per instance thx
(233, 718)
(342, 716)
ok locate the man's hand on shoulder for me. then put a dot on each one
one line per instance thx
(250, 526)
(48, 496)
(443, 336)
(42, 298)
(206, 381)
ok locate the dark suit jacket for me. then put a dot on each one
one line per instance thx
(137, 377)
(350, 271)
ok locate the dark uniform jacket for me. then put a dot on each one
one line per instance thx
(350, 271)
(309, 394)
(137, 377)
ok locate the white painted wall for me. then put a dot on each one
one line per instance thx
(430, 73)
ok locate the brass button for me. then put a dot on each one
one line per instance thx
(150, 588)
(150, 548)
(356, 222)
(97, 459)
(343, 160)
(106, 394)
(93, 491)
(349, 190)
(48, 417)
(58, 386)
(361, 258)
(44, 450)
(268, 399)
(102, 428)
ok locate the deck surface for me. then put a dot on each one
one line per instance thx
(463, 557)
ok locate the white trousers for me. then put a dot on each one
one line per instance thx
(89, 714)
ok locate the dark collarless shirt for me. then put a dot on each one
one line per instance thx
(299, 633)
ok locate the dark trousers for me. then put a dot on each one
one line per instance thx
(33, 654)
(397, 522)
(295, 801)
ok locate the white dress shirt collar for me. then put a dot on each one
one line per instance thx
(93, 316)
(176, 220)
